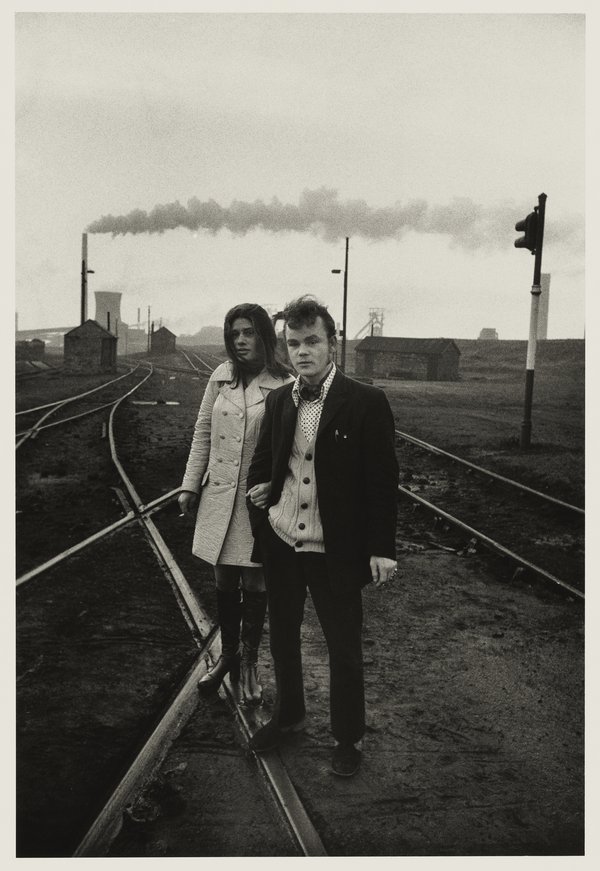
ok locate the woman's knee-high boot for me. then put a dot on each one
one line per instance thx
(254, 608)
(229, 611)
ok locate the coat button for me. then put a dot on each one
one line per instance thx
(309, 456)
(222, 436)
(306, 480)
(240, 414)
(225, 413)
(216, 483)
(302, 526)
(236, 462)
(219, 459)
(304, 505)
(238, 438)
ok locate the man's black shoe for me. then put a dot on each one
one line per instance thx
(345, 760)
(270, 735)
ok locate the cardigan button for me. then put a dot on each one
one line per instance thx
(225, 413)
(302, 526)
(306, 480)
(309, 456)
(298, 544)
(304, 505)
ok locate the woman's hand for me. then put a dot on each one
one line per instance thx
(259, 494)
(188, 502)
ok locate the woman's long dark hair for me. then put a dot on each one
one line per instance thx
(265, 333)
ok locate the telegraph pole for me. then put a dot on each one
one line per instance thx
(84, 275)
(533, 227)
(344, 305)
(344, 326)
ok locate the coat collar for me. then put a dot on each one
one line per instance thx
(336, 397)
(256, 391)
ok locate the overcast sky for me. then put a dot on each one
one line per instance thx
(422, 137)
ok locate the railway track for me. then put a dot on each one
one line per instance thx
(538, 532)
(133, 595)
(102, 829)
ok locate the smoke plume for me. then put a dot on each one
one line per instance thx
(322, 213)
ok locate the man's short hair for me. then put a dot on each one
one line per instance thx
(304, 311)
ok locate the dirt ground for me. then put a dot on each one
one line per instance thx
(474, 742)
(475, 701)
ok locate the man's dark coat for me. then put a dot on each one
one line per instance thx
(356, 471)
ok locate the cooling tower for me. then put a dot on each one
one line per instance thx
(108, 303)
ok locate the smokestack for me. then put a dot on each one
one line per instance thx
(108, 321)
(84, 256)
(138, 320)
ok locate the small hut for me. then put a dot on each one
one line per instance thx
(90, 348)
(162, 341)
(407, 359)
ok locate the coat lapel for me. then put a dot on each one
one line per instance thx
(335, 399)
(259, 388)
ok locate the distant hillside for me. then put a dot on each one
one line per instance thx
(502, 356)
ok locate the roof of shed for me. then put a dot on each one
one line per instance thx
(90, 328)
(398, 345)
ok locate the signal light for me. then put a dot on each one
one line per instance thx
(528, 226)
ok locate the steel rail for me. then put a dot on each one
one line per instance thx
(489, 542)
(38, 428)
(78, 396)
(146, 763)
(204, 363)
(435, 450)
(187, 357)
(107, 824)
(38, 570)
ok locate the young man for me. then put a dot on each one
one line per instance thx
(322, 497)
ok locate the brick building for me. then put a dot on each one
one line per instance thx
(162, 341)
(90, 348)
(407, 359)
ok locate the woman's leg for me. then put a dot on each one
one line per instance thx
(254, 608)
(229, 611)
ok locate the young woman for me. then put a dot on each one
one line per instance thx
(222, 446)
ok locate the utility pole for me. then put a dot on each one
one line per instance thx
(533, 228)
(344, 325)
(84, 275)
(344, 305)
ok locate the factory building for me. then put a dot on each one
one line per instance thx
(407, 359)
(162, 341)
(90, 348)
(488, 334)
(30, 350)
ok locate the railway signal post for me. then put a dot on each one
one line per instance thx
(533, 239)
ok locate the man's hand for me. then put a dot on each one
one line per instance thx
(382, 569)
(188, 502)
(259, 494)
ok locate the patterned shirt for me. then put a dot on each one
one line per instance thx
(309, 411)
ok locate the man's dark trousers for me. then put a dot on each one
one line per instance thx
(288, 574)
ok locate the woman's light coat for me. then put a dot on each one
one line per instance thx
(222, 447)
